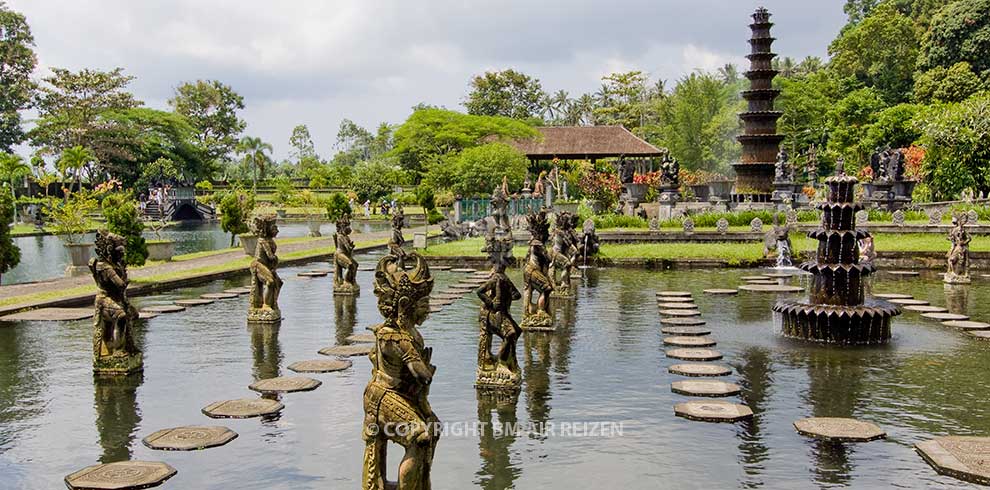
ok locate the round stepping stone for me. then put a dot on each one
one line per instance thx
(436, 309)
(120, 476)
(705, 387)
(462, 287)
(359, 338)
(690, 331)
(697, 370)
(692, 354)
(904, 273)
(453, 296)
(768, 282)
(836, 429)
(945, 316)
(673, 293)
(347, 350)
(312, 274)
(721, 291)
(147, 315)
(712, 411)
(682, 321)
(908, 301)
(191, 438)
(242, 408)
(218, 296)
(238, 291)
(164, 308)
(925, 308)
(966, 325)
(689, 341)
(980, 334)
(678, 306)
(674, 299)
(193, 302)
(463, 270)
(961, 457)
(442, 302)
(320, 365)
(680, 312)
(51, 314)
(770, 288)
(754, 278)
(779, 275)
(439, 267)
(284, 384)
(893, 296)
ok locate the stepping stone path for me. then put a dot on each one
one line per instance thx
(908, 301)
(218, 296)
(779, 275)
(51, 314)
(243, 408)
(678, 306)
(835, 429)
(462, 287)
(452, 296)
(241, 290)
(712, 411)
(980, 334)
(893, 296)
(767, 282)
(193, 302)
(925, 308)
(689, 341)
(366, 268)
(692, 354)
(961, 457)
(674, 299)
(359, 338)
(673, 293)
(120, 476)
(436, 309)
(685, 331)
(904, 273)
(146, 315)
(164, 308)
(770, 288)
(945, 316)
(440, 267)
(680, 312)
(696, 369)
(441, 302)
(966, 325)
(191, 438)
(721, 291)
(284, 384)
(682, 321)
(320, 366)
(347, 350)
(754, 278)
(705, 387)
(312, 274)
(463, 270)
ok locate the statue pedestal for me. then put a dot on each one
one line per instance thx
(670, 194)
(346, 289)
(499, 378)
(540, 321)
(264, 315)
(118, 365)
(563, 291)
(953, 278)
(783, 194)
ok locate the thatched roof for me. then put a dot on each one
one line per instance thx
(584, 142)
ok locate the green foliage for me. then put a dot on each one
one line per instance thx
(73, 161)
(160, 171)
(507, 93)
(10, 255)
(621, 99)
(17, 62)
(894, 126)
(142, 135)
(284, 190)
(338, 206)
(425, 197)
(12, 169)
(302, 144)
(256, 157)
(121, 213)
(235, 208)
(805, 102)
(478, 170)
(434, 216)
(850, 118)
(957, 138)
(331, 175)
(356, 144)
(70, 217)
(959, 32)
(611, 220)
(376, 179)
(211, 108)
(880, 52)
(941, 84)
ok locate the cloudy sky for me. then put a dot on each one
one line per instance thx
(316, 62)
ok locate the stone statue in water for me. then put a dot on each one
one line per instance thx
(114, 351)
(345, 267)
(396, 242)
(564, 254)
(779, 238)
(500, 205)
(536, 275)
(396, 408)
(497, 295)
(958, 256)
(265, 283)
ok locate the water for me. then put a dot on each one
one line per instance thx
(604, 364)
(45, 257)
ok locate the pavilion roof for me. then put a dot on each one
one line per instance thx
(584, 142)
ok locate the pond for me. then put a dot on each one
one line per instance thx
(45, 257)
(604, 365)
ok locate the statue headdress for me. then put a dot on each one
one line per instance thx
(393, 284)
(106, 242)
(538, 224)
(262, 223)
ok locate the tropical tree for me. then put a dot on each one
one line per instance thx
(10, 255)
(507, 93)
(302, 143)
(17, 62)
(123, 218)
(622, 99)
(959, 32)
(255, 152)
(211, 107)
(12, 169)
(72, 163)
(555, 107)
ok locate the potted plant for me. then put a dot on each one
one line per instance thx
(159, 248)
(602, 190)
(566, 205)
(235, 208)
(312, 208)
(283, 195)
(120, 211)
(70, 220)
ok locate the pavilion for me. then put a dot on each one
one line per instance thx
(584, 143)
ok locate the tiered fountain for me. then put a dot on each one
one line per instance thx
(837, 311)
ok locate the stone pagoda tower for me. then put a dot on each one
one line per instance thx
(760, 141)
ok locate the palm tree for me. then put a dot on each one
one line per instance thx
(12, 168)
(555, 106)
(585, 107)
(255, 154)
(729, 73)
(785, 66)
(75, 159)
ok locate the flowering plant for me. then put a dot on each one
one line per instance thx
(601, 186)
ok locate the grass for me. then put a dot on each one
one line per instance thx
(48, 295)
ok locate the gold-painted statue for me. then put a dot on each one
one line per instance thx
(564, 254)
(114, 352)
(345, 267)
(265, 283)
(958, 256)
(536, 275)
(396, 242)
(396, 408)
(497, 295)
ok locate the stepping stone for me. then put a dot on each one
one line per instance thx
(966, 325)
(908, 301)
(462, 287)
(218, 295)
(674, 299)
(442, 302)
(694, 369)
(689, 341)
(463, 270)
(682, 321)
(779, 275)
(51, 314)
(961, 457)
(347, 350)
(945, 316)
(359, 338)
(243, 408)
(366, 268)
(754, 278)
(980, 334)
(439, 267)
(691, 354)
(190, 438)
(673, 293)
(452, 296)
(769, 282)
(925, 308)
(436, 309)
(685, 331)
(893, 296)
(147, 315)
(770, 288)
(904, 273)
(705, 387)
(312, 274)
(680, 312)
(238, 291)
(284, 384)
(722, 291)
(678, 306)
(712, 411)
(120, 476)
(193, 302)
(836, 429)
(164, 308)
(320, 365)
(484, 274)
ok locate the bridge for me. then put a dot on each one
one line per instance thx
(180, 205)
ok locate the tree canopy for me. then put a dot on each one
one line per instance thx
(17, 62)
(211, 107)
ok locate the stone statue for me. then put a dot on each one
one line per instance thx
(114, 352)
(536, 275)
(780, 168)
(497, 295)
(451, 230)
(958, 256)
(396, 242)
(265, 283)
(812, 165)
(564, 254)
(396, 408)
(500, 205)
(589, 244)
(867, 252)
(779, 238)
(627, 170)
(670, 170)
(345, 267)
(897, 165)
(538, 189)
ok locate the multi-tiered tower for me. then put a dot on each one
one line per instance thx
(837, 311)
(760, 141)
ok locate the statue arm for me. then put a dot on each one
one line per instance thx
(109, 275)
(485, 294)
(415, 363)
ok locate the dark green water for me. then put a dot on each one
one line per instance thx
(604, 364)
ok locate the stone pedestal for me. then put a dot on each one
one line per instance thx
(419, 240)
(119, 364)
(264, 315)
(540, 321)
(783, 195)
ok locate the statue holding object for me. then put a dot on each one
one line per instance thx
(564, 254)
(500, 206)
(114, 351)
(536, 275)
(265, 283)
(497, 295)
(396, 405)
(345, 266)
(958, 256)
(396, 242)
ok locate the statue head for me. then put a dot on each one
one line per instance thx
(403, 296)
(265, 225)
(344, 224)
(398, 216)
(566, 221)
(538, 225)
(110, 247)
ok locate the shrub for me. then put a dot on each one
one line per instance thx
(478, 170)
(121, 213)
(70, 217)
(10, 255)
(235, 208)
(337, 206)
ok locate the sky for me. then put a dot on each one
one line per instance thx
(316, 62)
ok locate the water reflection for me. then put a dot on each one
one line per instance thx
(957, 298)
(345, 316)
(22, 384)
(755, 377)
(117, 414)
(536, 374)
(496, 438)
(266, 350)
